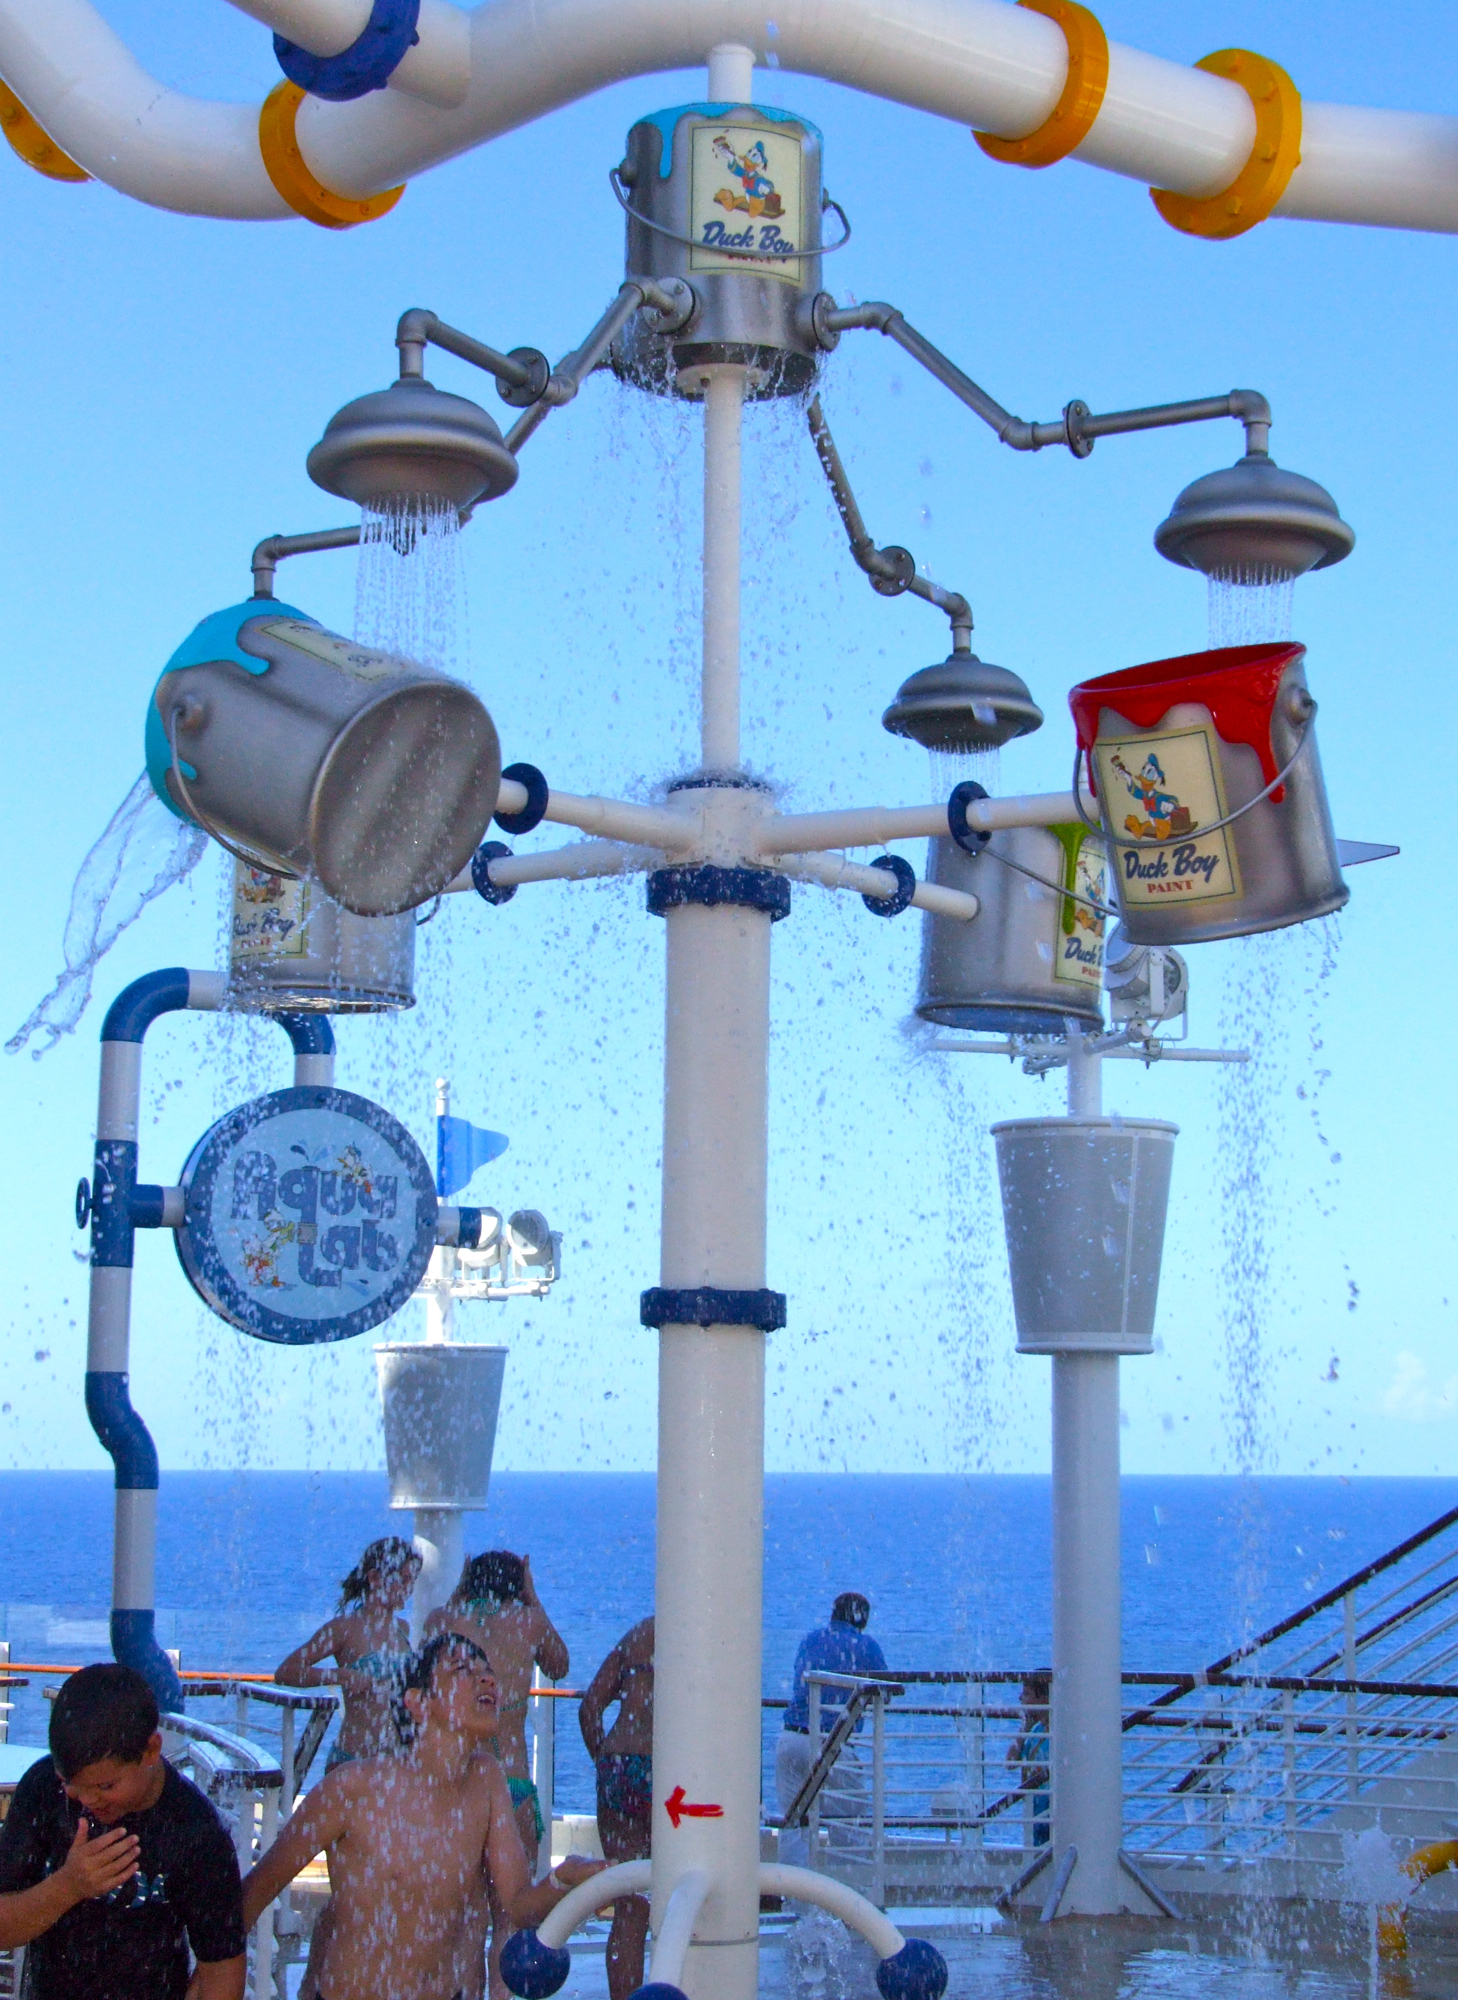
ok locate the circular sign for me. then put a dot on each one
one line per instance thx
(310, 1216)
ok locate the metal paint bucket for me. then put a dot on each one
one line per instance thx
(440, 1403)
(726, 197)
(1210, 789)
(291, 949)
(312, 756)
(1034, 958)
(1083, 1209)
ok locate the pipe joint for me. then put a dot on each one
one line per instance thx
(1250, 407)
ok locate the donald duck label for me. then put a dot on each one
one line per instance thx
(1160, 791)
(746, 201)
(270, 915)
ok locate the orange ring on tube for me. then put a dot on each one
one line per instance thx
(1072, 117)
(289, 171)
(33, 143)
(1274, 157)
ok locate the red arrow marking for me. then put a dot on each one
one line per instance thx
(678, 1807)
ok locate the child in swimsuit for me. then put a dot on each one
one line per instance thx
(369, 1642)
(624, 1759)
(495, 1605)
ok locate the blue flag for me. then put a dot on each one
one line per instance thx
(461, 1148)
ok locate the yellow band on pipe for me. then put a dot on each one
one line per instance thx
(288, 170)
(35, 146)
(1274, 157)
(1072, 117)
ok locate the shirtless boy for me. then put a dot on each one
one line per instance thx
(407, 1839)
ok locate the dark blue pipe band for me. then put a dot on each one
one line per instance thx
(535, 810)
(121, 1431)
(892, 906)
(481, 860)
(113, 1184)
(707, 1305)
(134, 1645)
(714, 888)
(137, 1006)
(971, 839)
(147, 1207)
(468, 1233)
(366, 65)
(310, 1034)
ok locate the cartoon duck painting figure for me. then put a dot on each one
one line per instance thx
(757, 191)
(1165, 818)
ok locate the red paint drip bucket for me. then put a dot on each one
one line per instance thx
(1210, 793)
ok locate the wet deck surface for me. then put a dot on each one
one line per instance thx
(1293, 1952)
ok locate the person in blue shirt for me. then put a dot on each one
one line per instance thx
(842, 1647)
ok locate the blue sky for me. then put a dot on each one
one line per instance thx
(167, 377)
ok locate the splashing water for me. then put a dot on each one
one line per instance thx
(409, 589)
(950, 768)
(1250, 605)
(141, 853)
(1373, 1878)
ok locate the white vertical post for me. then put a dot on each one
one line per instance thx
(731, 74)
(878, 1800)
(706, 1724)
(1087, 1739)
(440, 1307)
(544, 1761)
(1086, 1706)
(1349, 1670)
(812, 1723)
(315, 1069)
(723, 473)
(440, 1544)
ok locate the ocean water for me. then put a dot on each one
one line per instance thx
(957, 1569)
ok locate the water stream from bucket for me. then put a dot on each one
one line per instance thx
(140, 853)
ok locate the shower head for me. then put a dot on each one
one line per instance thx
(963, 703)
(412, 442)
(1254, 517)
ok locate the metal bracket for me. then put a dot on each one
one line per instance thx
(1059, 1889)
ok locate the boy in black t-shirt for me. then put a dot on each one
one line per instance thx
(112, 1864)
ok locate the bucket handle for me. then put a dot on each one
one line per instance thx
(1200, 832)
(615, 181)
(195, 812)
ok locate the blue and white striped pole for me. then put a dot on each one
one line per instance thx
(118, 1206)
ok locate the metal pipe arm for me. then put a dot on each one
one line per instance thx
(1078, 427)
(673, 303)
(892, 570)
(273, 549)
(521, 376)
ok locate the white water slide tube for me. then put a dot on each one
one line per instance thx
(474, 74)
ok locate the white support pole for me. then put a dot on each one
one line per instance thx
(723, 469)
(440, 1544)
(1087, 1744)
(711, 1439)
(1086, 1716)
(731, 74)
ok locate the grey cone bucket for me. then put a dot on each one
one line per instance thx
(440, 1403)
(1083, 1208)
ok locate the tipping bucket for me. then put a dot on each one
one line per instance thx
(1034, 958)
(291, 949)
(317, 757)
(1211, 795)
(1083, 1209)
(440, 1403)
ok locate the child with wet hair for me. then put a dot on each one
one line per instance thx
(495, 1605)
(408, 1839)
(369, 1643)
(115, 1871)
